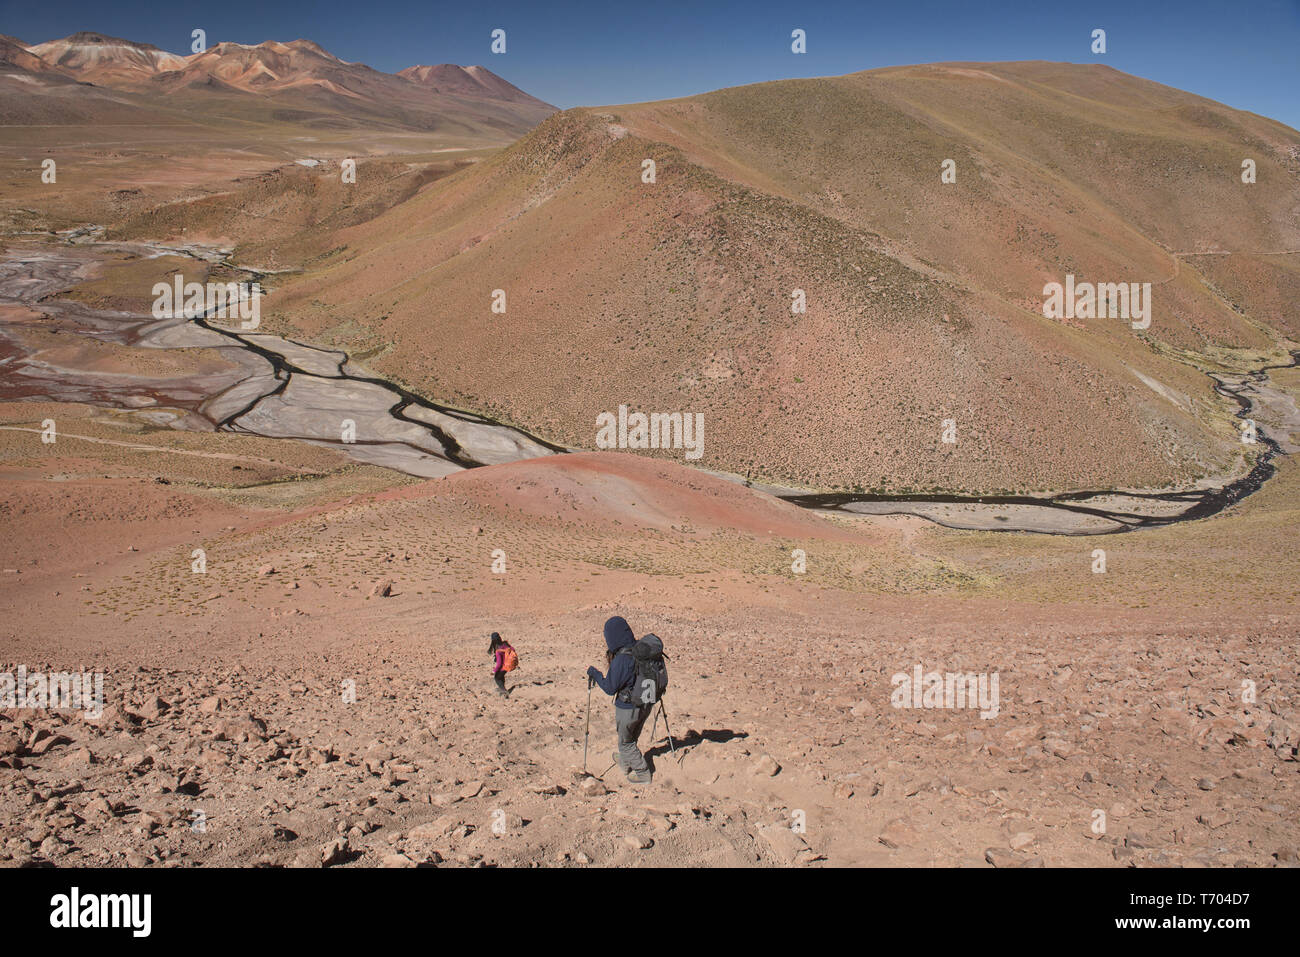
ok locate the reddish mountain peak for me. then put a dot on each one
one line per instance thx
(313, 47)
(89, 38)
(425, 73)
(456, 80)
(105, 59)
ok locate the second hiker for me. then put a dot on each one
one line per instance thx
(504, 658)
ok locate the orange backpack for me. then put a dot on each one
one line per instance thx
(509, 660)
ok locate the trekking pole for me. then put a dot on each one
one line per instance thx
(664, 711)
(586, 735)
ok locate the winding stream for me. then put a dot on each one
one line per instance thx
(280, 388)
(273, 387)
(1085, 512)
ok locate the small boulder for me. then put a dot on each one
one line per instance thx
(766, 766)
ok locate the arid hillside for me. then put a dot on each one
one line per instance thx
(224, 695)
(924, 299)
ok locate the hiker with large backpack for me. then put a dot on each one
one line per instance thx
(636, 680)
(504, 658)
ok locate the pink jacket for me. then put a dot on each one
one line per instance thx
(500, 658)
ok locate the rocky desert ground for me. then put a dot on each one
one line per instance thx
(291, 629)
(321, 697)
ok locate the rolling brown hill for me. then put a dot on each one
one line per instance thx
(924, 299)
(34, 91)
(14, 56)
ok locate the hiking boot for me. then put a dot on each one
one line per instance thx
(639, 777)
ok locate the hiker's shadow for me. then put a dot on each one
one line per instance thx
(690, 740)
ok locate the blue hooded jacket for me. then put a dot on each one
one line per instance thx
(621, 669)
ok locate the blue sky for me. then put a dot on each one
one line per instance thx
(616, 51)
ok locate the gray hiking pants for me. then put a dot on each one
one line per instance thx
(629, 722)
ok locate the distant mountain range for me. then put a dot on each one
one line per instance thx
(295, 81)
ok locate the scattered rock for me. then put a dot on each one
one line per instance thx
(1139, 840)
(1214, 819)
(897, 833)
(153, 708)
(1004, 858)
(335, 852)
(785, 844)
(766, 766)
(471, 790)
